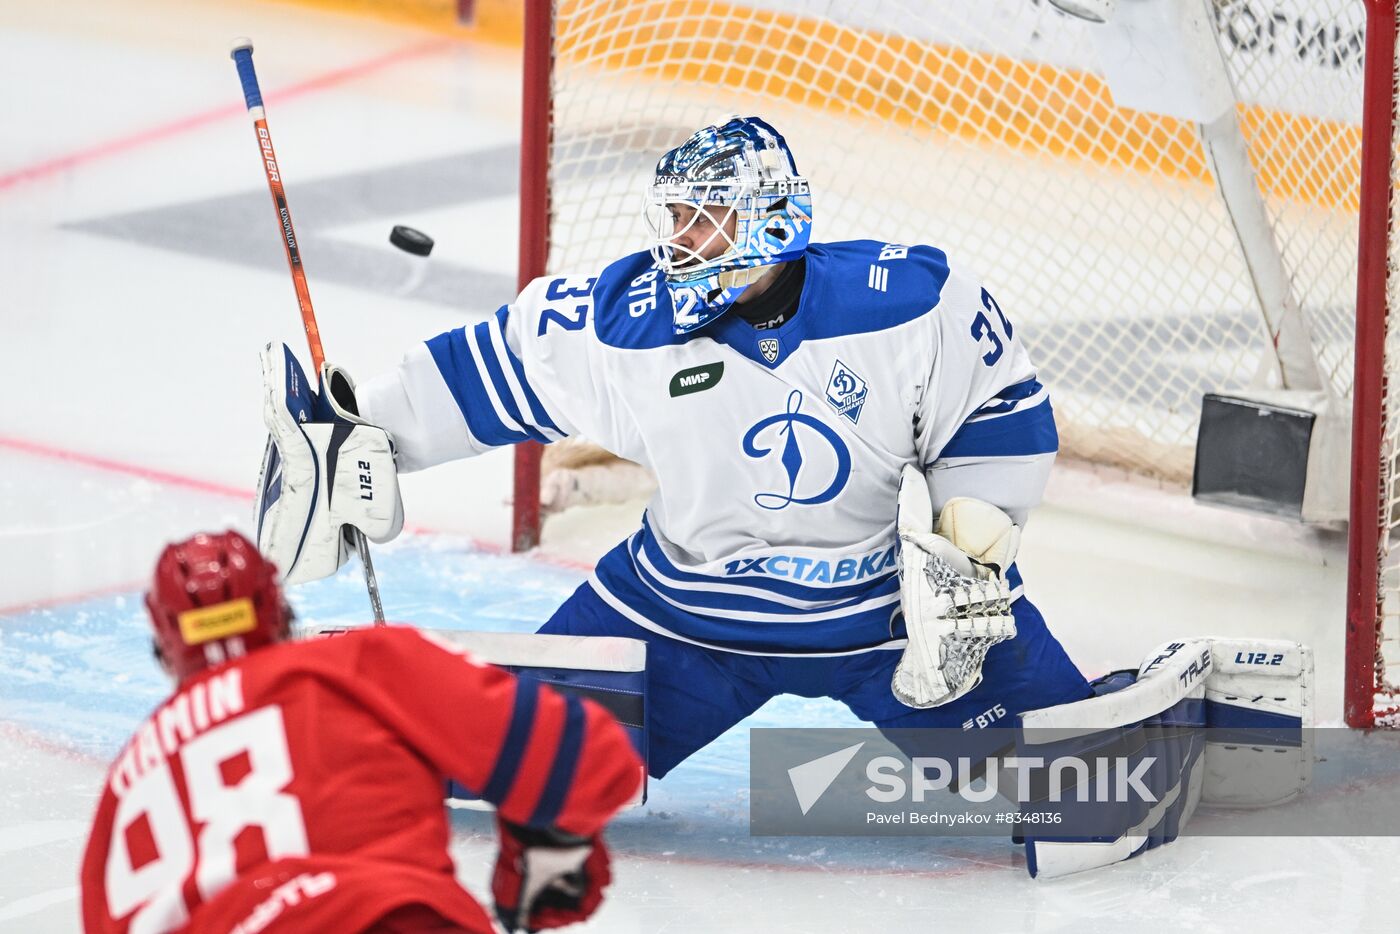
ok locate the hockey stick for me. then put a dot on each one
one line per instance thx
(242, 54)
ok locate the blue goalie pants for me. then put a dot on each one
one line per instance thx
(696, 693)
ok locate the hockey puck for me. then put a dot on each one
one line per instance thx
(410, 240)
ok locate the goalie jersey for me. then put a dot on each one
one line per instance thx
(777, 451)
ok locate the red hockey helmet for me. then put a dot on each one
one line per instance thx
(214, 597)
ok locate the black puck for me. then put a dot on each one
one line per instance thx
(410, 240)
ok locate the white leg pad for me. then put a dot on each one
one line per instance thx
(1259, 711)
(1254, 698)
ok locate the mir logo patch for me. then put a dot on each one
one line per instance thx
(696, 379)
(846, 392)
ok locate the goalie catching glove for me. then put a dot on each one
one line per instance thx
(324, 469)
(953, 591)
(547, 878)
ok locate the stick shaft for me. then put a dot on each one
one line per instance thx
(242, 54)
(252, 96)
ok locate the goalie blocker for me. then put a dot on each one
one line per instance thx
(1206, 721)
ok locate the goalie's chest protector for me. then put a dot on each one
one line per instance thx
(789, 439)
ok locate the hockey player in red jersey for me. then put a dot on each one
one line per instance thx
(298, 786)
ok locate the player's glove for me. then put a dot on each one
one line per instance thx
(324, 469)
(547, 878)
(953, 591)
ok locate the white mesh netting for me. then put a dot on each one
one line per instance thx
(985, 128)
(980, 126)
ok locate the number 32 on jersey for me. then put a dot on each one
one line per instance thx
(982, 329)
(563, 311)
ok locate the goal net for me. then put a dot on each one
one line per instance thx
(1147, 258)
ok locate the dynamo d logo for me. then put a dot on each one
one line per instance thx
(794, 430)
(846, 392)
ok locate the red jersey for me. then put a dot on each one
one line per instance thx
(304, 782)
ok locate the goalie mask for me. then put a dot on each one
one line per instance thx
(738, 184)
(214, 598)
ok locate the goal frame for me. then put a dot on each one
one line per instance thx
(536, 125)
(1370, 476)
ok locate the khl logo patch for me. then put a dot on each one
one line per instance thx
(792, 459)
(846, 391)
(769, 348)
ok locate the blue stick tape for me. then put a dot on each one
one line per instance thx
(252, 95)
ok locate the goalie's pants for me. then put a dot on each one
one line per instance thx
(695, 693)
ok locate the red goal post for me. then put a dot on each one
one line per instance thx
(536, 135)
(1148, 255)
(1372, 586)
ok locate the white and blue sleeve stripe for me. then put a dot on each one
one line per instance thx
(496, 401)
(520, 384)
(1017, 422)
(1001, 454)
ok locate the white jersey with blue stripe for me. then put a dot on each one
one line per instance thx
(777, 452)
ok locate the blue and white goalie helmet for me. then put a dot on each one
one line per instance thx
(724, 205)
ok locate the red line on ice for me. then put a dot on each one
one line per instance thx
(27, 737)
(201, 486)
(48, 603)
(131, 470)
(195, 121)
